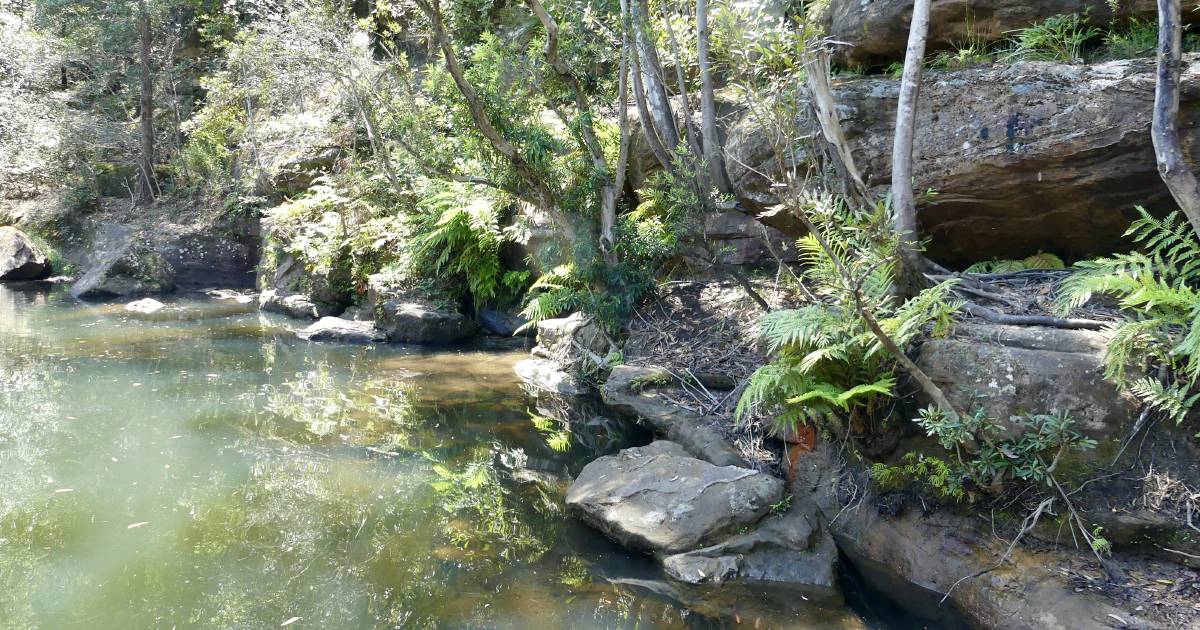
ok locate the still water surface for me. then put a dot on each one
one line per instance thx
(205, 469)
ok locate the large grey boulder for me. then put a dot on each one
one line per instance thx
(408, 317)
(422, 322)
(789, 553)
(918, 556)
(565, 336)
(294, 305)
(1024, 157)
(1013, 370)
(877, 30)
(659, 499)
(131, 269)
(20, 258)
(342, 331)
(326, 288)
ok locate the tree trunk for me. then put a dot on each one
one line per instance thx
(145, 187)
(1172, 164)
(817, 66)
(656, 100)
(713, 151)
(546, 199)
(903, 204)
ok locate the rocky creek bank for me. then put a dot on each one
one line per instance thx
(718, 524)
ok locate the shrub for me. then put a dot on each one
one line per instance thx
(1057, 38)
(1136, 38)
(461, 237)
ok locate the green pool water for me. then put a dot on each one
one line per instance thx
(205, 469)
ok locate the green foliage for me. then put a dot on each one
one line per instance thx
(646, 239)
(1157, 288)
(461, 237)
(923, 473)
(205, 159)
(827, 360)
(1000, 456)
(964, 54)
(1040, 260)
(1057, 38)
(1136, 38)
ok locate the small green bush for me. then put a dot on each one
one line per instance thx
(1057, 38)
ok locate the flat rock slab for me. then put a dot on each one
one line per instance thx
(547, 375)
(341, 330)
(659, 499)
(634, 391)
(20, 258)
(787, 553)
(294, 305)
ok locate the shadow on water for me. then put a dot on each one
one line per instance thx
(205, 468)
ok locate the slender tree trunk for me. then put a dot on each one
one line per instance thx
(831, 127)
(903, 204)
(650, 67)
(145, 187)
(713, 151)
(1172, 163)
(685, 105)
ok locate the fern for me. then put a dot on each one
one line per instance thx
(1157, 289)
(1173, 401)
(827, 360)
(461, 237)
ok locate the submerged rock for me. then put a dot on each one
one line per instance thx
(789, 553)
(130, 269)
(657, 498)
(1014, 370)
(343, 331)
(20, 258)
(546, 375)
(295, 305)
(1021, 155)
(146, 306)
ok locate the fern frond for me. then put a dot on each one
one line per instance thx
(1173, 401)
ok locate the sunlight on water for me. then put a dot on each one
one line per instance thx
(204, 469)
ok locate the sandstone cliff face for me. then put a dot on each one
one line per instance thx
(876, 31)
(1023, 158)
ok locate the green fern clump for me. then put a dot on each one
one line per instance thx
(1156, 287)
(924, 473)
(827, 361)
(461, 237)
